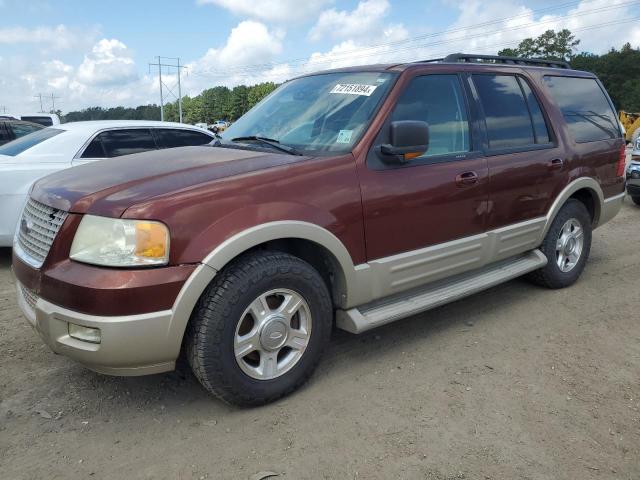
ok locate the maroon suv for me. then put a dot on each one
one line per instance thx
(357, 196)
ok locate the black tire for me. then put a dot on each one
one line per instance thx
(211, 331)
(636, 200)
(551, 276)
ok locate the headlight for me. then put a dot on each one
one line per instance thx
(115, 242)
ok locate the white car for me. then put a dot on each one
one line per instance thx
(26, 159)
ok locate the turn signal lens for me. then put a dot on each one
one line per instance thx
(151, 240)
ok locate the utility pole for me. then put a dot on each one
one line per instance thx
(53, 103)
(3, 108)
(163, 84)
(39, 96)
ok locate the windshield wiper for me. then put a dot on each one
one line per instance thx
(272, 142)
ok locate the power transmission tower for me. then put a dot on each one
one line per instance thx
(161, 83)
(3, 108)
(53, 102)
(39, 96)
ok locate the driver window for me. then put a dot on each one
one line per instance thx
(437, 100)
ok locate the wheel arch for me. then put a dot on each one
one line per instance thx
(310, 242)
(585, 189)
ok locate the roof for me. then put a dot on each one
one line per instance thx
(466, 62)
(95, 125)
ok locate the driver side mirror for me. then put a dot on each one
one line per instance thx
(409, 139)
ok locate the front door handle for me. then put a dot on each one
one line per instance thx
(466, 179)
(556, 164)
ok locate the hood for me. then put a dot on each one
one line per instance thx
(108, 187)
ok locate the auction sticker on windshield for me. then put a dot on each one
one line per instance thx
(354, 89)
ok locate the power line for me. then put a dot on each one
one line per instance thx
(313, 66)
(161, 83)
(362, 52)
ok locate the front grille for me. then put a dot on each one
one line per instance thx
(36, 231)
(29, 296)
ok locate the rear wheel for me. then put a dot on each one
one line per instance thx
(259, 330)
(566, 246)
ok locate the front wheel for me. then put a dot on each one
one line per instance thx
(636, 200)
(259, 330)
(566, 246)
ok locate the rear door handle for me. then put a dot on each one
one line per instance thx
(467, 178)
(556, 164)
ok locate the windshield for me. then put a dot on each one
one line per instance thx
(320, 113)
(21, 144)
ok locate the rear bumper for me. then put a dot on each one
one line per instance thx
(130, 344)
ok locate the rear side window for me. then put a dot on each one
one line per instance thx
(22, 129)
(506, 113)
(539, 125)
(127, 141)
(21, 144)
(46, 121)
(585, 107)
(169, 138)
(5, 135)
(437, 100)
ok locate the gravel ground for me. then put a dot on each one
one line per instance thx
(516, 382)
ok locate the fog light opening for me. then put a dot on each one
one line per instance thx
(85, 334)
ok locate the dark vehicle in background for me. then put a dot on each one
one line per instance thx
(12, 129)
(350, 198)
(633, 171)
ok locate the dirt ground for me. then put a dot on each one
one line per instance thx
(514, 383)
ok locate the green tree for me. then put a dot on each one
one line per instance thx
(551, 44)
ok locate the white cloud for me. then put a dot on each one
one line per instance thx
(271, 10)
(365, 21)
(55, 38)
(109, 63)
(249, 43)
(507, 33)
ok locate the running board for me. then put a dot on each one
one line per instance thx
(390, 309)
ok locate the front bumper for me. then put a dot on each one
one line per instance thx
(130, 345)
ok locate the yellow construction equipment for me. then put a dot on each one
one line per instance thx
(631, 123)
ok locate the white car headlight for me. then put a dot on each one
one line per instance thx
(116, 242)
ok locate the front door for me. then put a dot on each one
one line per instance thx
(437, 198)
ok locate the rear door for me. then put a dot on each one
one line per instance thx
(115, 143)
(526, 162)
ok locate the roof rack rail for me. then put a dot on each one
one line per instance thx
(474, 58)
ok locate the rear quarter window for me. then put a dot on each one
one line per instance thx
(22, 144)
(585, 108)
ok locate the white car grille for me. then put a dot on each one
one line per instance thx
(38, 227)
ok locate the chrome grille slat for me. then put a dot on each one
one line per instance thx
(33, 243)
(29, 296)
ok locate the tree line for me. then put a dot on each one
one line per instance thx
(619, 71)
(217, 103)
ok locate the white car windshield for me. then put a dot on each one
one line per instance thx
(319, 113)
(22, 144)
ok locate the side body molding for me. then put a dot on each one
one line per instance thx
(383, 277)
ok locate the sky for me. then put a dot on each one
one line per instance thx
(90, 53)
